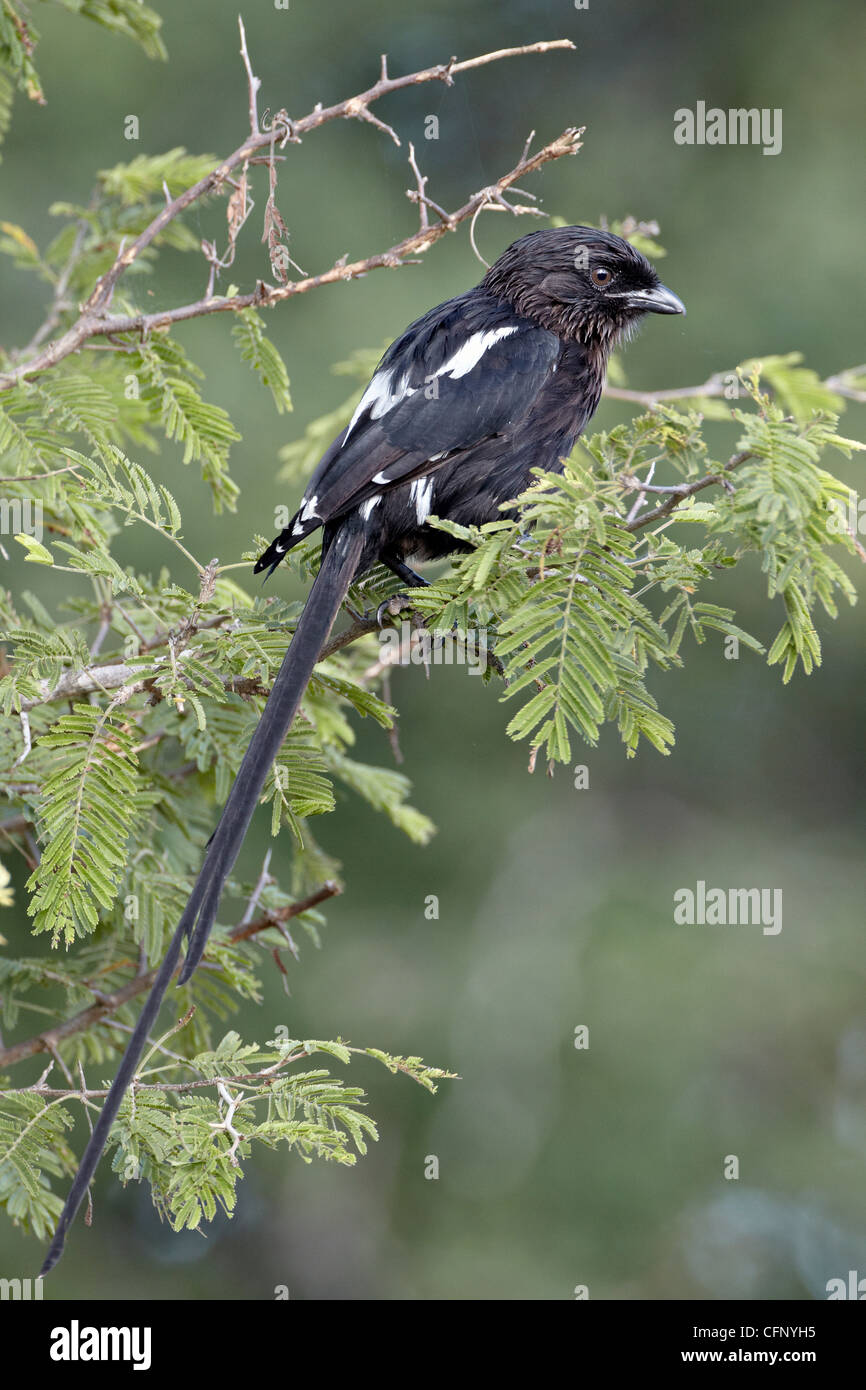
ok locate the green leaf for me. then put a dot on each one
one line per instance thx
(262, 356)
(37, 553)
(86, 812)
(204, 430)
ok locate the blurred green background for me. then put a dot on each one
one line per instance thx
(557, 1167)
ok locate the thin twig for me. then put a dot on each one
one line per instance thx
(244, 931)
(253, 82)
(394, 731)
(37, 477)
(715, 386)
(95, 1013)
(684, 490)
(263, 880)
(421, 181)
(95, 320)
(266, 296)
(105, 622)
(58, 303)
(639, 501)
(719, 385)
(25, 735)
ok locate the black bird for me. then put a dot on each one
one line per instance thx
(462, 406)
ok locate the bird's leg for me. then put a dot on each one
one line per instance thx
(405, 572)
(400, 601)
(397, 602)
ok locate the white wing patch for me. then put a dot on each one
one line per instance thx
(387, 390)
(384, 392)
(307, 512)
(472, 351)
(421, 493)
(367, 507)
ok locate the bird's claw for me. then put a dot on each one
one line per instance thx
(391, 608)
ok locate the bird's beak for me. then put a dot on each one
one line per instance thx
(659, 300)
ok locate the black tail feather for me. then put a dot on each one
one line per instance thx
(328, 591)
(323, 603)
(276, 553)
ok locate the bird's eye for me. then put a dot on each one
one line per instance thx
(601, 276)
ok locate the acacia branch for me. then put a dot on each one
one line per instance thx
(245, 1080)
(715, 386)
(95, 323)
(245, 930)
(168, 1087)
(95, 319)
(681, 491)
(361, 627)
(126, 680)
(842, 383)
(88, 681)
(49, 1040)
(678, 493)
(115, 676)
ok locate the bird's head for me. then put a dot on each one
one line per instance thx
(580, 283)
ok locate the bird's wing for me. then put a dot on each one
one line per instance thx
(466, 371)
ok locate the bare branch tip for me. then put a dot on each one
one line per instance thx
(253, 82)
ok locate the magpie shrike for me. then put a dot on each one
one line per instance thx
(461, 408)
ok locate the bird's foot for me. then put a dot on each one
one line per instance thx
(392, 608)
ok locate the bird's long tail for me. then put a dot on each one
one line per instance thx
(323, 603)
